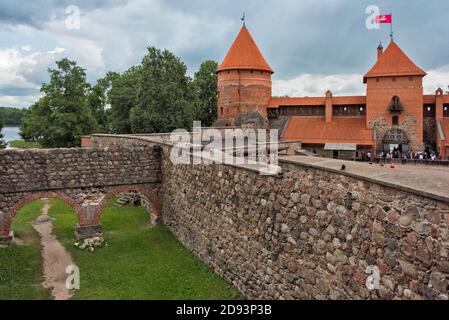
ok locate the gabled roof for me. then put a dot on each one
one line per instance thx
(244, 55)
(394, 62)
(315, 130)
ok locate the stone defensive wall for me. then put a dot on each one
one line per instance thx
(84, 178)
(319, 229)
(310, 233)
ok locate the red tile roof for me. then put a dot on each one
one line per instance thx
(394, 62)
(316, 101)
(314, 130)
(244, 55)
(303, 101)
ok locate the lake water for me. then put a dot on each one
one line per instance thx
(11, 133)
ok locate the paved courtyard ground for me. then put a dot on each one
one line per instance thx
(433, 181)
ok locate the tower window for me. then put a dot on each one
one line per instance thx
(395, 120)
(395, 105)
(394, 79)
(252, 71)
(446, 110)
(429, 111)
(377, 79)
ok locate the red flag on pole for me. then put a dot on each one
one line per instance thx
(384, 18)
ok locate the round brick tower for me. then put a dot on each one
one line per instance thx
(244, 84)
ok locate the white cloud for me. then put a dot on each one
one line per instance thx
(115, 38)
(347, 84)
(19, 101)
(13, 67)
(438, 78)
(22, 73)
(318, 84)
(26, 48)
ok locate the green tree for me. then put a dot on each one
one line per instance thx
(122, 97)
(63, 115)
(12, 116)
(164, 95)
(205, 86)
(99, 99)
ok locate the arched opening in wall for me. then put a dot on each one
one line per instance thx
(127, 208)
(38, 249)
(39, 209)
(396, 140)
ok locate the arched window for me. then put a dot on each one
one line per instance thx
(396, 104)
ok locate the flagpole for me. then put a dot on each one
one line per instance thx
(391, 27)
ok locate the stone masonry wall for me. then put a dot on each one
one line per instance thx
(309, 234)
(83, 178)
(38, 170)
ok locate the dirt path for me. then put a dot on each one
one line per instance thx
(56, 258)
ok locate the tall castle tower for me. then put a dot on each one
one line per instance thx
(244, 84)
(394, 100)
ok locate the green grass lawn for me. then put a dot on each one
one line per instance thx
(21, 144)
(139, 262)
(21, 265)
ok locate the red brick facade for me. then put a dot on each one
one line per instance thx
(394, 113)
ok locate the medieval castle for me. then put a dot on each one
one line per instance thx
(394, 113)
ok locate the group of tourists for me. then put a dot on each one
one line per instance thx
(427, 155)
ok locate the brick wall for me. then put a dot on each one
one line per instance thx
(379, 93)
(243, 91)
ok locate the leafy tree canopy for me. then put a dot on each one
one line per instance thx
(155, 96)
(12, 116)
(63, 114)
(123, 97)
(164, 95)
(98, 99)
(205, 88)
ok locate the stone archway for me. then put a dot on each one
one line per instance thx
(396, 137)
(151, 202)
(6, 221)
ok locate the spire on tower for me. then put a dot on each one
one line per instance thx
(243, 19)
(380, 47)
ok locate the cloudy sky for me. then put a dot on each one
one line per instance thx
(312, 45)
